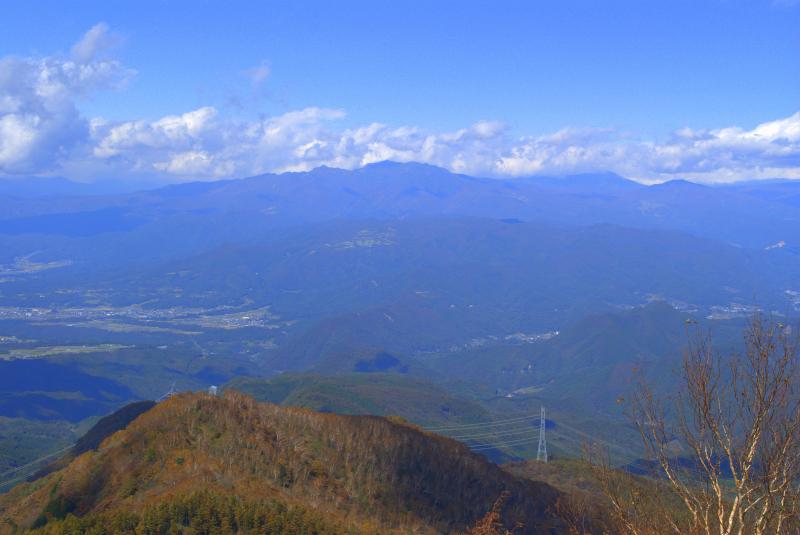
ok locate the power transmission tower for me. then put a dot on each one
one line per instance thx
(541, 453)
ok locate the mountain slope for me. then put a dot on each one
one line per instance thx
(379, 394)
(592, 362)
(353, 471)
(541, 268)
(91, 440)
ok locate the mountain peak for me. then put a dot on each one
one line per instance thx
(404, 167)
(680, 183)
(394, 164)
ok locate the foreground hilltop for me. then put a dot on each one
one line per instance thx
(221, 465)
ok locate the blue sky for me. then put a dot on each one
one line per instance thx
(650, 89)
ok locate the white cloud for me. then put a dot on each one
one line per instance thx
(194, 163)
(169, 133)
(200, 145)
(39, 122)
(93, 42)
(42, 130)
(769, 150)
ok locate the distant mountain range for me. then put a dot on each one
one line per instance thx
(750, 215)
(499, 295)
(26, 187)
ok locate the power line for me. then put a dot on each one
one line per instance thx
(511, 441)
(483, 447)
(482, 424)
(171, 392)
(484, 430)
(485, 423)
(497, 433)
(36, 461)
(562, 426)
(4, 483)
(18, 468)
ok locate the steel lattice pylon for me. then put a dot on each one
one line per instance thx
(541, 453)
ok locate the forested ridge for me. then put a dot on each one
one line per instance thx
(202, 464)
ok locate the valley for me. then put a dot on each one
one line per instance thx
(493, 306)
(399, 268)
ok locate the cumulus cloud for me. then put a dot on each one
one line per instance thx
(771, 149)
(189, 144)
(199, 144)
(173, 132)
(42, 129)
(39, 122)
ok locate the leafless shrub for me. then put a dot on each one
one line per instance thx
(727, 444)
